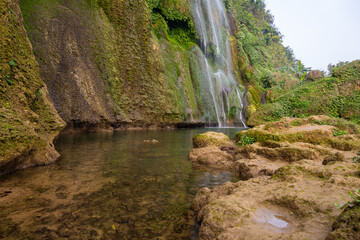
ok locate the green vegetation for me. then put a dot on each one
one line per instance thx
(263, 63)
(172, 20)
(337, 132)
(355, 199)
(245, 140)
(336, 96)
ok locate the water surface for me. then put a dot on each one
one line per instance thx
(111, 185)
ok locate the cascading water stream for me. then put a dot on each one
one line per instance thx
(224, 103)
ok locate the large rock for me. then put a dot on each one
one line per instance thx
(211, 157)
(211, 139)
(297, 202)
(28, 120)
(314, 75)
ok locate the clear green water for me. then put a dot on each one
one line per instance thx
(109, 185)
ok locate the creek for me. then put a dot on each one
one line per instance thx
(109, 185)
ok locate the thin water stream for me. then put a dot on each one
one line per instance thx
(111, 185)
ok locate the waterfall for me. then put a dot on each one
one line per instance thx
(220, 94)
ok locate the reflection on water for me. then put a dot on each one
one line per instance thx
(109, 186)
(272, 219)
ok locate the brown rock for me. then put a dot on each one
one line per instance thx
(314, 75)
(211, 157)
(297, 203)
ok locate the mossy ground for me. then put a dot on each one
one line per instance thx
(314, 130)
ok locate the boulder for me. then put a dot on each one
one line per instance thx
(211, 139)
(211, 157)
(314, 75)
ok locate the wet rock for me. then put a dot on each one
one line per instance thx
(211, 139)
(296, 202)
(287, 153)
(316, 130)
(212, 157)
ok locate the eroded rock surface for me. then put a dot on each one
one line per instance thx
(296, 170)
(298, 202)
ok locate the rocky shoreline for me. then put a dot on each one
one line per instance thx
(292, 173)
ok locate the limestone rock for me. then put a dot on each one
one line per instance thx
(211, 139)
(211, 157)
(297, 202)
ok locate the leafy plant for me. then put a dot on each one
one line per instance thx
(8, 79)
(12, 63)
(245, 140)
(355, 198)
(338, 132)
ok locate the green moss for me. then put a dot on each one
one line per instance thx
(28, 122)
(210, 139)
(316, 137)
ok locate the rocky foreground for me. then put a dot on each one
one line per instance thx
(293, 173)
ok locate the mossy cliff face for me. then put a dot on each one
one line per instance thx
(28, 119)
(112, 63)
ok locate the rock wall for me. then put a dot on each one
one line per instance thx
(28, 119)
(96, 64)
(105, 66)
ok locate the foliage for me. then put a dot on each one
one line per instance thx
(245, 140)
(259, 42)
(355, 199)
(299, 70)
(336, 96)
(174, 20)
(332, 67)
(338, 132)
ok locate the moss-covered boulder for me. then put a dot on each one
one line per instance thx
(211, 139)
